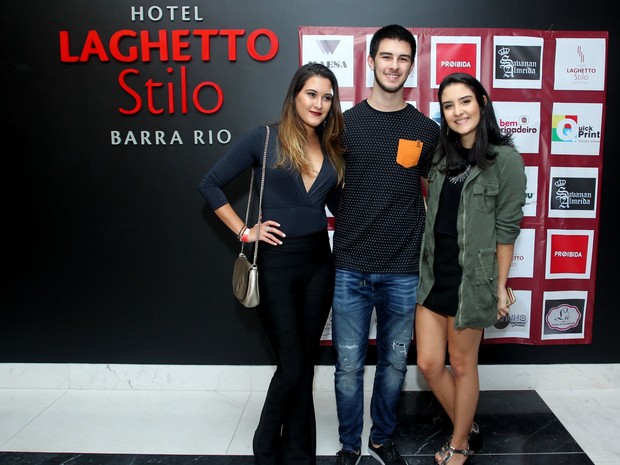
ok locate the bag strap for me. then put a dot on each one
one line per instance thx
(260, 198)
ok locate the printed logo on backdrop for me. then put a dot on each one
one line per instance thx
(531, 191)
(569, 254)
(454, 54)
(517, 62)
(326, 336)
(333, 51)
(564, 314)
(522, 265)
(522, 121)
(517, 323)
(412, 80)
(572, 192)
(576, 128)
(434, 112)
(580, 64)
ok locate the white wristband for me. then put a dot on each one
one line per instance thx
(246, 235)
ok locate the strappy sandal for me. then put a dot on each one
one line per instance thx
(474, 439)
(448, 453)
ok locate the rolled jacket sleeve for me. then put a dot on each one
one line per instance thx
(511, 196)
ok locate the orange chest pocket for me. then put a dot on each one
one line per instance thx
(408, 152)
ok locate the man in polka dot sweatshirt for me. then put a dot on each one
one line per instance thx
(377, 238)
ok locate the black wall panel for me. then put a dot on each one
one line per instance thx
(112, 256)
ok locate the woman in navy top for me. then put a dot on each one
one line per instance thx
(296, 279)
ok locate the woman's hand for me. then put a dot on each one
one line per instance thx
(502, 302)
(269, 232)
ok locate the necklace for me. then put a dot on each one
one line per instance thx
(461, 177)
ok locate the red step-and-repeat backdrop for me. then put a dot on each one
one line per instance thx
(548, 90)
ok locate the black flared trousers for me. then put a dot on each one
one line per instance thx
(296, 282)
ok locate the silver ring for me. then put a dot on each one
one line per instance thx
(267, 229)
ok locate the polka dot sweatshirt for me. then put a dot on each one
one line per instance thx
(380, 219)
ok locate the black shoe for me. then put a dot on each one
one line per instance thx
(386, 454)
(347, 457)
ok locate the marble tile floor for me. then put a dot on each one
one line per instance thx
(118, 427)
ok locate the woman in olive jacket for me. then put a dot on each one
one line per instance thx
(475, 200)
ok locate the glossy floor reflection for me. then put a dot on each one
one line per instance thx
(79, 427)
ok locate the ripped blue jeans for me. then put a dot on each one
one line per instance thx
(393, 296)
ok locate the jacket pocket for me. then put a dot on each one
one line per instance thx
(485, 196)
(486, 271)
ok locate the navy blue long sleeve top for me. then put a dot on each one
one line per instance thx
(285, 198)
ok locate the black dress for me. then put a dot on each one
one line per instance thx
(444, 296)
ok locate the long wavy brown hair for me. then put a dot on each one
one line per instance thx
(292, 131)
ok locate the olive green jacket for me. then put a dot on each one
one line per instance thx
(490, 213)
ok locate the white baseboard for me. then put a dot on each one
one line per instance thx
(248, 378)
